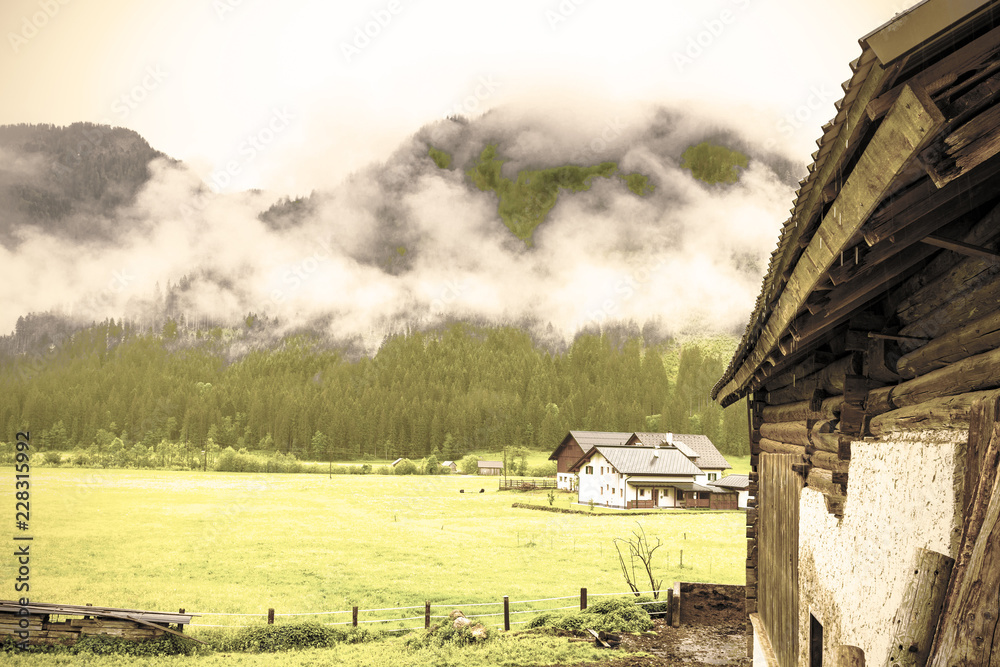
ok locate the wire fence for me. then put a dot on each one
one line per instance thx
(407, 621)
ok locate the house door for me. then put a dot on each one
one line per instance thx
(656, 497)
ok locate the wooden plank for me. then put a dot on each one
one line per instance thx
(777, 572)
(918, 613)
(964, 149)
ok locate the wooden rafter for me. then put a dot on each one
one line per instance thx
(908, 126)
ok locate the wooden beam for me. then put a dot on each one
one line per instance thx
(961, 308)
(947, 412)
(911, 122)
(830, 380)
(802, 410)
(979, 335)
(922, 201)
(943, 73)
(962, 248)
(918, 613)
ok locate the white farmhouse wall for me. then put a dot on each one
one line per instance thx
(903, 494)
(604, 486)
(742, 498)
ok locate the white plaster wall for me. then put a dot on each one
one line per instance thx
(902, 495)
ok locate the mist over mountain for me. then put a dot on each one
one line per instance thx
(98, 224)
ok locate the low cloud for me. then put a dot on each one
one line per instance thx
(404, 244)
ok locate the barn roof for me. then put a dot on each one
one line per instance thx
(490, 464)
(644, 460)
(732, 482)
(881, 195)
(588, 439)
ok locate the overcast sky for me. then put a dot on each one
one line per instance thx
(318, 89)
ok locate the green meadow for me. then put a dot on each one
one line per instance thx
(230, 543)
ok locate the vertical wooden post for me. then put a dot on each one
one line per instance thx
(850, 656)
(270, 616)
(670, 604)
(506, 613)
(675, 613)
(354, 617)
(427, 615)
(180, 626)
(917, 616)
(583, 599)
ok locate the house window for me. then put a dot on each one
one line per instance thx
(642, 492)
(712, 476)
(590, 470)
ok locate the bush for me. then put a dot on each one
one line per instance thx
(286, 637)
(104, 645)
(406, 467)
(53, 458)
(609, 615)
(383, 470)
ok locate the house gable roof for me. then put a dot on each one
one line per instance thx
(490, 464)
(631, 460)
(709, 457)
(586, 440)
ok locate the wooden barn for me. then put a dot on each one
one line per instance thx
(39, 623)
(871, 366)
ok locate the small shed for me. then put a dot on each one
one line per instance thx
(396, 462)
(450, 465)
(38, 623)
(490, 467)
(739, 484)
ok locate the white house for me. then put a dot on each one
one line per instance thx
(641, 477)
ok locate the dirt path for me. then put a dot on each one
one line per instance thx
(712, 634)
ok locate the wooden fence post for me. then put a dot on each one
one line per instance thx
(583, 599)
(180, 626)
(506, 613)
(270, 616)
(427, 615)
(354, 616)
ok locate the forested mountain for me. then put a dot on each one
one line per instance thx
(447, 391)
(67, 181)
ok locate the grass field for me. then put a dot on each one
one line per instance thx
(241, 543)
